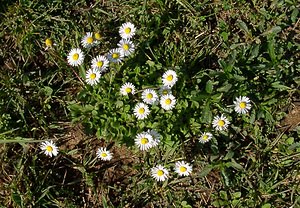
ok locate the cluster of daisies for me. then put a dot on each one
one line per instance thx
(242, 105)
(163, 97)
(151, 138)
(99, 64)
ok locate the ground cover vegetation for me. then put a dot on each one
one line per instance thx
(153, 103)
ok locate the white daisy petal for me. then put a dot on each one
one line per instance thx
(115, 55)
(169, 78)
(75, 57)
(183, 168)
(149, 96)
(167, 102)
(242, 105)
(92, 76)
(100, 63)
(159, 173)
(220, 123)
(205, 137)
(127, 30)
(49, 148)
(104, 154)
(144, 141)
(141, 111)
(126, 46)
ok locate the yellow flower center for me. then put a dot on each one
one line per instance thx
(115, 55)
(165, 92)
(144, 141)
(221, 123)
(160, 172)
(49, 148)
(100, 63)
(97, 36)
(182, 169)
(103, 154)
(89, 40)
(127, 30)
(75, 56)
(170, 77)
(93, 76)
(141, 111)
(168, 101)
(48, 42)
(126, 47)
(243, 105)
(205, 137)
(128, 90)
(149, 96)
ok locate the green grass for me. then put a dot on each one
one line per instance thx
(219, 50)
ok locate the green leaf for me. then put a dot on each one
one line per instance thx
(225, 88)
(205, 171)
(209, 87)
(223, 195)
(206, 116)
(274, 30)
(236, 195)
(294, 15)
(271, 50)
(225, 36)
(242, 25)
(48, 91)
(266, 205)
(235, 165)
(279, 86)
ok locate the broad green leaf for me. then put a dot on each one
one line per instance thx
(205, 171)
(209, 87)
(279, 86)
(266, 205)
(242, 25)
(294, 15)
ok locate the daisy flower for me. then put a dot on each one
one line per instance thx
(115, 55)
(127, 88)
(100, 63)
(75, 57)
(242, 105)
(205, 137)
(149, 96)
(88, 40)
(159, 173)
(167, 102)
(127, 30)
(144, 141)
(169, 78)
(92, 76)
(49, 148)
(183, 168)
(220, 122)
(104, 154)
(141, 111)
(156, 137)
(126, 46)
(164, 90)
